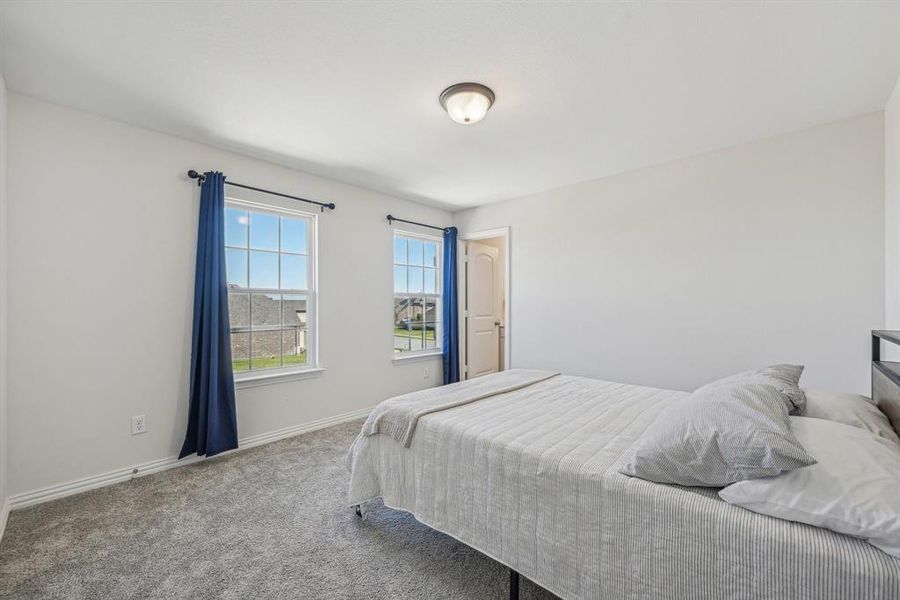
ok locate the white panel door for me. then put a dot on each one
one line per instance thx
(483, 306)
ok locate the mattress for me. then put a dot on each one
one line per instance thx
(526, 478)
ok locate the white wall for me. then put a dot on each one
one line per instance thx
(103, 235)
(892, 218)
(4, 439)
(680, 273)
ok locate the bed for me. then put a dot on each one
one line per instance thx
(525, 476)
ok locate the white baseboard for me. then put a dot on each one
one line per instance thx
(4, 514)
(54, 492)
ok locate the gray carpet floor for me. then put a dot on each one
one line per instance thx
(269, 522)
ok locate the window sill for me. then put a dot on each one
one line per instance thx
(245, 381)
(405, 358)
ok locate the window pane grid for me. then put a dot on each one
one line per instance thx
(258, 342)
(266, 252)
(417, 298)
(230, 247)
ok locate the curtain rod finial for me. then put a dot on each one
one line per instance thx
(195, 175)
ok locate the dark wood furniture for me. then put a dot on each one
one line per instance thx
(886, 377)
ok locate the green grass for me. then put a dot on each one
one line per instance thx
(268, 362)
(429, 334)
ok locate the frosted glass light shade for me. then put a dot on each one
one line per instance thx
(467, 103)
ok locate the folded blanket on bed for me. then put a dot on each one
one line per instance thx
(398, 416)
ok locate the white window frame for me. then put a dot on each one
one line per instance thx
(251, 378)
(437, 296)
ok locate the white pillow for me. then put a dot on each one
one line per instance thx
(784, 378)
(716, 436)
(849, 409)
(854, 488)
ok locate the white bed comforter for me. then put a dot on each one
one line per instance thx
(525, 477)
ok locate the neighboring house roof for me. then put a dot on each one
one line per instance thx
(416, 307)
(266, 310)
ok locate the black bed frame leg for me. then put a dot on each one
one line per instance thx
(513, 585)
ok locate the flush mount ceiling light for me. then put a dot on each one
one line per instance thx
(467, 103)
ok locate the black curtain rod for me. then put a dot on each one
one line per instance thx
(392, 218)
(199, 177)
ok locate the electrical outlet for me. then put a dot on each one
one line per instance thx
(426, 372)
(138, 424)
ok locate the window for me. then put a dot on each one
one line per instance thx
(417, 293)
(269, 258)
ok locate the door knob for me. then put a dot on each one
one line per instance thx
(496, 323)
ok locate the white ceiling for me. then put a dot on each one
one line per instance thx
(349, 89)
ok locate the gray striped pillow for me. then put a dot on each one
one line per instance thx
(717, 436)
(784, 378)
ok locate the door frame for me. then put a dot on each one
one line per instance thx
(503, 232)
